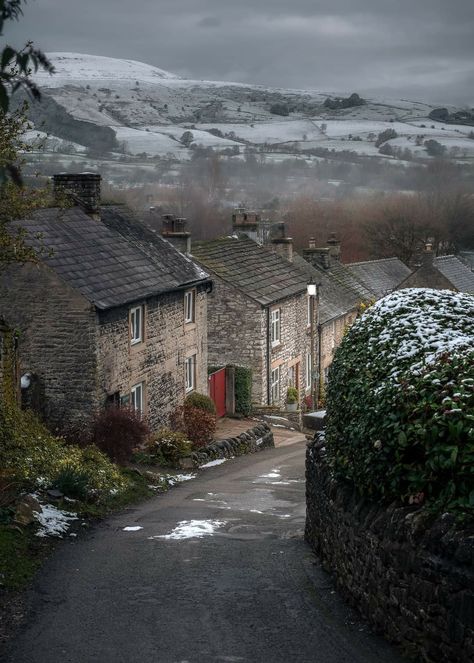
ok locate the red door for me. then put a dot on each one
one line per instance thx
(217, 391)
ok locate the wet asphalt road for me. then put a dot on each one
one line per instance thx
(250, 592)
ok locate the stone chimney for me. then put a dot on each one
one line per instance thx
(334, 246)
(83, 188)
(280, 243)
(428, 255)
(245, 222)
(318, 257)
(174, 230)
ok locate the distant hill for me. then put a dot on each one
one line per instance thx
(149, 109)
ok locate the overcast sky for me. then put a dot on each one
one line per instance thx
(420, 49)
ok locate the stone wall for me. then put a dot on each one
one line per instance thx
(56, 338)
(295, 343)
(413, 579)
(159, 361)
(332, 334)
(255, 439)
(79, 356)
(235, 335)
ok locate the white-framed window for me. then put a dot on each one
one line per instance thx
(137, 397)
(308, 371)
(190, 373)
(333, 336)
(136, 325)
(189, 305)
(309, 310)
(275, 385)
(276, 326)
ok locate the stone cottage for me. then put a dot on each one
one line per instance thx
(110, 313)
(258, 311)
(343, 288)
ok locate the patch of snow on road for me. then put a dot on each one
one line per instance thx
(213, 463)
(53, 521)
(133, 528)
(274, 474)
(179, 478)
(192, 529)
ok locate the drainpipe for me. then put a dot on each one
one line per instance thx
(269, 359)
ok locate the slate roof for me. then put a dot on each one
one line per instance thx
(456, 272)
(103, 261)
(263, 276)
(379, 276)
(336, 297)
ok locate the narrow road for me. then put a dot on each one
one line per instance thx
(248, 590)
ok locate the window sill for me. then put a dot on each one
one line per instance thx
(277, 346)
(188, 326)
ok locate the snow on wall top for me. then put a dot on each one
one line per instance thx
(81, 67)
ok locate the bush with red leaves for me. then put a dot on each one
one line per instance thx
(198, 425)
(117, 431)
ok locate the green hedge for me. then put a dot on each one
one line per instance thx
(400, 401)
(243, 390)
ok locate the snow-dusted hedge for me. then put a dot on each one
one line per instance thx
(400, 400)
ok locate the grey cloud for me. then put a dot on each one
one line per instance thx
(209, 22)
(421, 48)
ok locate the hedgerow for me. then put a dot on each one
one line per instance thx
(400, 401)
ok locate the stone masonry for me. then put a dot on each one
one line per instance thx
(159, 361)
(237, 334)
(56, 336)
(410, 575)
(80, 356)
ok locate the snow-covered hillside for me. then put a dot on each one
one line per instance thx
(149, 110)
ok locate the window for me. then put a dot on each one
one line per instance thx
(136, 397)
(308, 371)
(292, 376)
(310, 310)
(276, 327)
(275, 385)
(190, 373)
(136, 325)
(189, 305)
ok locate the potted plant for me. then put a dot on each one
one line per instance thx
(292, 399)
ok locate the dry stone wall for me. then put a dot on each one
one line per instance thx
(412, 578)
(255, 439)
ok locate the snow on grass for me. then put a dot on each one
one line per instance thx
(89, 68)
(138, 141)
(192, 529)
(53, 521)
(132, 528)
(213, 463)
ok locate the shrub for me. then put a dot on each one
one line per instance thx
(400, 399)
(280, 108)
(33, 458)
(387, 134)
(72, 482)
(117, 431)
(243, 390)
(200, 401)
(292, 395)
(166, 447)
(197, 425)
